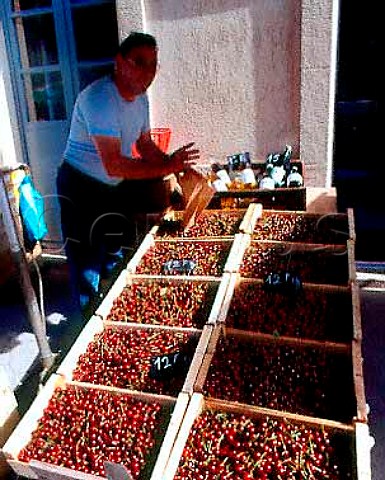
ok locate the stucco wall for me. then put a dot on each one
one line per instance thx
(244, 75)
(318, 71)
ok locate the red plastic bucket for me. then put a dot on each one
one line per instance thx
(161, 137)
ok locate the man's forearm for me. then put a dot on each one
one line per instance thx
(139, 169)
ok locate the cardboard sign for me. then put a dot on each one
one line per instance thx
(116, 471)
(179, 267)
(283, 282)
(165, 367)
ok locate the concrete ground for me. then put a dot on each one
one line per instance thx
(19, 353)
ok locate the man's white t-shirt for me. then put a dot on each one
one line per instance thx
(100, 110)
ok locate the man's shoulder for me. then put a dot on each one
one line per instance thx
(97, 87)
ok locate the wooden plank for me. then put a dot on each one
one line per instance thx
(351, 224)
(147, 242)
(358, 378)
(170, 436)
(188, 386)
(200, 198)
(232, 284)
(253, 212)
(257, 412)
(351, 245)
(203, 371)
(356, 311)
(216, 334)
(299, 342)
(193, 410)
(219, 299)
(93, 326)
(189, 181)
(234, 260)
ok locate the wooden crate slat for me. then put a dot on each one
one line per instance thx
(219, 299)
(147, 242)
(358, 376)
(170, 436)
(92, 327)
(236, 253)
(356, 310)
(351, 245)
(193, 410)
(198, 357)
(254, 211)
(351, 224)
(115, 290)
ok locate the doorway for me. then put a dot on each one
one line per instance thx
(55, 48)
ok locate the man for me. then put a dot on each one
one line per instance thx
(101, 186)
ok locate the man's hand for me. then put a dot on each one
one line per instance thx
(185, 157)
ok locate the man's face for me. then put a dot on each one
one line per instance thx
(136, 71)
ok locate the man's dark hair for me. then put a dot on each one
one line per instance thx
(136, 39)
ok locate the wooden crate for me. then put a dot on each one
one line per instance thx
(303, 227)
(96, 326)
(356, 439)
(278, 198)
(321, 264)
(337, 395)
(210, 223)
(320, 312)
(216, 252)
(164, 287)
(42, 470)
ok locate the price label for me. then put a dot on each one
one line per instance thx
(238, 161)
(180, 267)
(283, 282)
(164, 367)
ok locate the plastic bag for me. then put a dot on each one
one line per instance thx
(31, 206)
